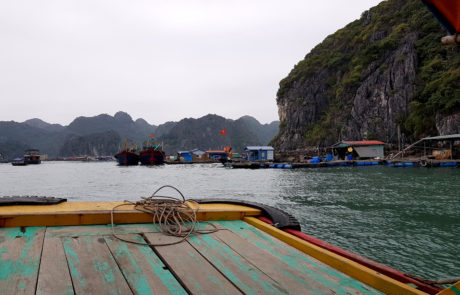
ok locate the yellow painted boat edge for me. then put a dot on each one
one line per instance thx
(344, 265)
(88, 213)
(452, 290)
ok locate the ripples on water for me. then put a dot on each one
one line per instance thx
(407, 218)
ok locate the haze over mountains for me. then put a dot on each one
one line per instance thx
(105, 135)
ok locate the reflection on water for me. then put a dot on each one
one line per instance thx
(405, 218)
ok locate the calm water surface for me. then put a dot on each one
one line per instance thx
(406, 218)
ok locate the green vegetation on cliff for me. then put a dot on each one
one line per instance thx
(362, 48)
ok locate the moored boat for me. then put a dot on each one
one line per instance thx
(127, 158)
(32, 156)
(239, 247)
(152, 154)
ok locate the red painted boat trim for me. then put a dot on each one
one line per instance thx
(381, 268)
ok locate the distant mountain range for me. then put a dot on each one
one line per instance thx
(105, 135)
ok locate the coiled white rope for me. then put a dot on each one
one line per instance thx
(174, 216)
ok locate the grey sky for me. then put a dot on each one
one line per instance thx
(157, 60)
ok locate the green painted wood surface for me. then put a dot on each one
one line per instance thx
(92, 267)
(191, 268)
(298, 261)
(99, 230)
(20, 251)
(235, 267)
(54, 276)
(88, 259)
(274, 267)
(141, 267)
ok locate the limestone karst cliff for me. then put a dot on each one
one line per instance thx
(383, 74)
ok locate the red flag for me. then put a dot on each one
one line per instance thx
(223, 131)
(151, 135)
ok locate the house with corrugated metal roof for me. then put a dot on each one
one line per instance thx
(194, 155)
(259, 153)
(362, 149)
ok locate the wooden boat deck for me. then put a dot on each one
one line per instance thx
(237, 259)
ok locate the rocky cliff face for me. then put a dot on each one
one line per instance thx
(384, 94)
(382, 73)
(449, 124)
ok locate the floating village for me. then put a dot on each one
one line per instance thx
(437, 151)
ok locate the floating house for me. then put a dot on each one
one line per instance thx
(259, 153)
(363, 149)
(220, 154)
(432, 144)
(193, 155)
(217, 154)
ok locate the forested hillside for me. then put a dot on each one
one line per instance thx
(105, 135)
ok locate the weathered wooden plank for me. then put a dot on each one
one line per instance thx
(92, 267)
(99, 230)
(241, 272)
(54, 276)
(303, 264)
(20, 251)
(195, 273)
(143, 270)
(277, 268)
(272, 266)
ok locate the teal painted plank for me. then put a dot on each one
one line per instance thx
(301, 262)
(99, 230)
(273, 266)
(195, 272)
(243, 274)
(92, 267)
(143, 270)
(20, 250)
(54, 276)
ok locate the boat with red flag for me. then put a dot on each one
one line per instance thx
(152, 153)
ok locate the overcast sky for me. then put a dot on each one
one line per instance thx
(157, 60)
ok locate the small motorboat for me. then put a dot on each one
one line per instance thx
(18, 162)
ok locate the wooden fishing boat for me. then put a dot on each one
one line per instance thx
(99, 248)
(152, 154)
(32, 156)
(128, 156)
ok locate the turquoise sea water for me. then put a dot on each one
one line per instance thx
(407, 218)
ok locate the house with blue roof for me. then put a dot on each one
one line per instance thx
(192, 155)
(259, 153)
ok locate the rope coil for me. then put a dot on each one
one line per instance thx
(174, 216)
